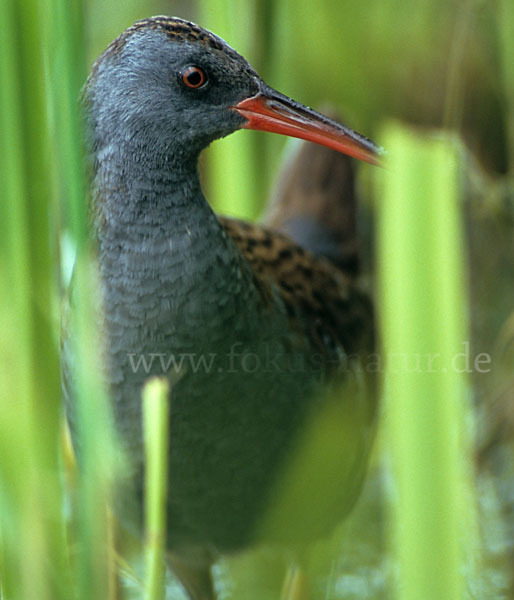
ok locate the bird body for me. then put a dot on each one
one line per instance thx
(229, 312)
(250, 327)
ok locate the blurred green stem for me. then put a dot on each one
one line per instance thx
(506, 29)
(66, 72)
(423, 309)
(30, 498)
(155, 427)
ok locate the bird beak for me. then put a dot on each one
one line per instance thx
(271, 111)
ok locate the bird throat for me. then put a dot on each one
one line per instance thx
(162, 252)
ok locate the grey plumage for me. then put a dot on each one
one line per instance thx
(176, 281)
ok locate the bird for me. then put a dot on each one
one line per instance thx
(251, 323)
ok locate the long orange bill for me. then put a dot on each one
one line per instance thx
(271, 111)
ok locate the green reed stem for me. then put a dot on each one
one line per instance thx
(30, 495)
(423, 309)
(506, 30)
(66, 72)
(155, 427)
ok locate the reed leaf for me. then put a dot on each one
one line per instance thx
(156, 427)
(423, 310)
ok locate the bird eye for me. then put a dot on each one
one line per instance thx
(193, 77)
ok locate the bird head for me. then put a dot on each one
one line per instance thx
(170, 80)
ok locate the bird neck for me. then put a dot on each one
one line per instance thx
(153, 226)
(142, 183)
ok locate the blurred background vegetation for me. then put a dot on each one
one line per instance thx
(438, 67)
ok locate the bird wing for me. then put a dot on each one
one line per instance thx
(327, 304)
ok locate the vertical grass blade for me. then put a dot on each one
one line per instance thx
(66, 72)
(29, 378)
(155, 429)
(423, 307)
(506, 30)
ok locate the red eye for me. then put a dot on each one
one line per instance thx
(194, 77)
